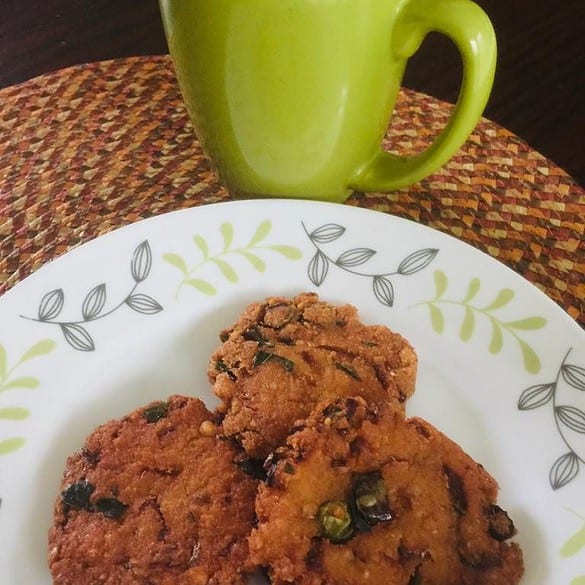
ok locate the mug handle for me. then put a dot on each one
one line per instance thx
(468, 26)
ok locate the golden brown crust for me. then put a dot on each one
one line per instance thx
(153, 498)
(446, 528)
(285, 355)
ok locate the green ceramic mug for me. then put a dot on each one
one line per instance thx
(292, 98)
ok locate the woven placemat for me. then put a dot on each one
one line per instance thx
(95, 147)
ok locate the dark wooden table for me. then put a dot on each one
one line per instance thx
(539, 90)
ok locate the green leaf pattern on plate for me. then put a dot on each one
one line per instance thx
(576, 542)
(575, 545)
(472, 312)
(10, 381)
(223, 259)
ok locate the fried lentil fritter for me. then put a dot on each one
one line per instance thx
(283, 356)
(153, 498)
(363, 495)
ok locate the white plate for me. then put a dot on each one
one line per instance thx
(134, 315)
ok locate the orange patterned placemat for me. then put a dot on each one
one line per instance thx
(95, 147)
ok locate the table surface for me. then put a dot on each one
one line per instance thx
(538, 93)
(95, 147)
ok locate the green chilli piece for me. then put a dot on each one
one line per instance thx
(335, 520)
(221, 260)
(371, 498)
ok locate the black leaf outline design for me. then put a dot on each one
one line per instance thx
(141, 262)
(94, 302)
(383, 290)
(51, 304)
(417, 261)
(383, 287)
(77, 337)
(571, 417)
(536, 396)
(318, 268)
(144, 304)
(327, 233)
(574, 376)
(354, 257)
(566, 468)
(74, 332)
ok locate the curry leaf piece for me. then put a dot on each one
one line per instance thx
(254, 260)
(42, 347)
(201, 243)
(202, 286)
(327, 233)
(26, 382)
(94, 302)
(527, 324)
(51, 304)
(11, 445)
(349, 370)
(383, 290)
(110, 507)
(417, 261)
(437, 319)
(441, 283)
(77, 337)
(227, 233)
(155, 412)
(580, 580)
(472, 290)
(263, 357)
(141, 262)
(176, 261)
(144, 304)
(502, 299)
(536, 396)
(497, 339)
(572, 417)
(14, 413)
(77, 495)
(289, 252)
(468, 325)
(564, 470)
(354, 257)
(318, 268)
(531, 359)
(261, 232)
(574, 376)
(229, 273)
